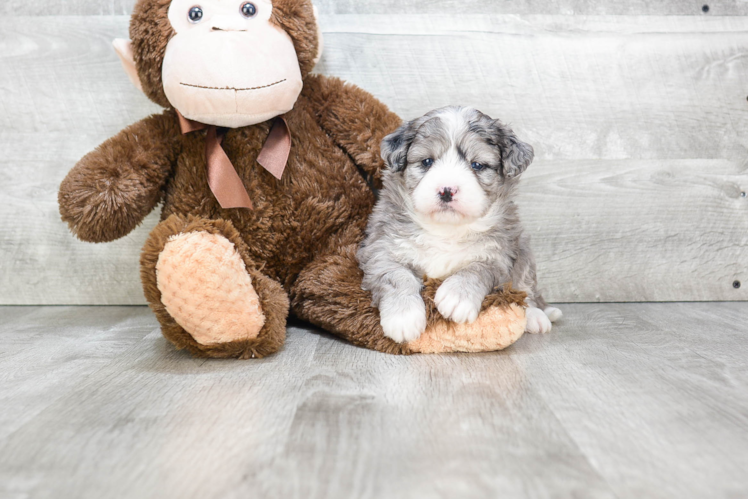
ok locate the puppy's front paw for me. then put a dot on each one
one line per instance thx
(403, 319)
(537, 321)
(457, 303)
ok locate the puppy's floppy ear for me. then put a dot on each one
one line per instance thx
(395, 147)
(516, 155)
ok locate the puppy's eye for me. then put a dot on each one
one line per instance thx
(248, 9)
(427, 162)
(477, 166)
(196, 14)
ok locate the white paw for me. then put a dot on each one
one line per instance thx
(554, 313)
(537, 321)
(403, 319)
(457, 304)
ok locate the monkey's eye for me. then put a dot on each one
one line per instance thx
(196, 14)
(248, 9)
(477, 166)
(427, 162)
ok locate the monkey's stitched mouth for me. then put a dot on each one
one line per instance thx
(233, 88)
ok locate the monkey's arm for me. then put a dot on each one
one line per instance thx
(111, 190)
(354, 119)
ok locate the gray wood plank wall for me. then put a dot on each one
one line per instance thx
(562, 7)
(637, 111)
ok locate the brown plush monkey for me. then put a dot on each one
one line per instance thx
(250, 227)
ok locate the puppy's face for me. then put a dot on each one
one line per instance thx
(453, 163)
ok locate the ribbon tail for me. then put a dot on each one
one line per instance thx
(223, 180)
(274, 154)
(188, 125)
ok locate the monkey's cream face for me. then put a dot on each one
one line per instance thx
(228, 65)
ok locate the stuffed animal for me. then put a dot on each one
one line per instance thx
(266, 174)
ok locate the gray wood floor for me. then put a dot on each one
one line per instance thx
(620, 400)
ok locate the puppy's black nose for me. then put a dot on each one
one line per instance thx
(446, 195)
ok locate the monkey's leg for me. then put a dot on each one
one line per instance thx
(328, 294)
(207, 292)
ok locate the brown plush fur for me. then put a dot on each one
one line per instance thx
(113, 188)
(298, 243)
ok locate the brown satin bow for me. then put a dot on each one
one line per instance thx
(223, 180)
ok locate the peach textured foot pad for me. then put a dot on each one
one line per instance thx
(495, 329)
(205, 287)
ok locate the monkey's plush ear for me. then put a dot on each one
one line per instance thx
(395, 147)
(320, 40)
(124, 51)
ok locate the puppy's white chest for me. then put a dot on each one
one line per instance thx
(439, 258)
(443, 265)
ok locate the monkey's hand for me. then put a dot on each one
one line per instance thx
(113, 188)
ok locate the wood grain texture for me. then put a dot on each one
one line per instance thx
(574, 87)
(67, 8)
(557, 7)
(382, 427)
(54, 349)
(396, 7)
(638, 230)
(620, 400)
(652, 392)
(636, 123)
(62, 96)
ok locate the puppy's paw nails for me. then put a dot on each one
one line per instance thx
(537, 321)
(404, 321)
(454, 305)
(554, 313)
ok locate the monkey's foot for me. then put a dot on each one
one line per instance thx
(205, 287)
(496, 328)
